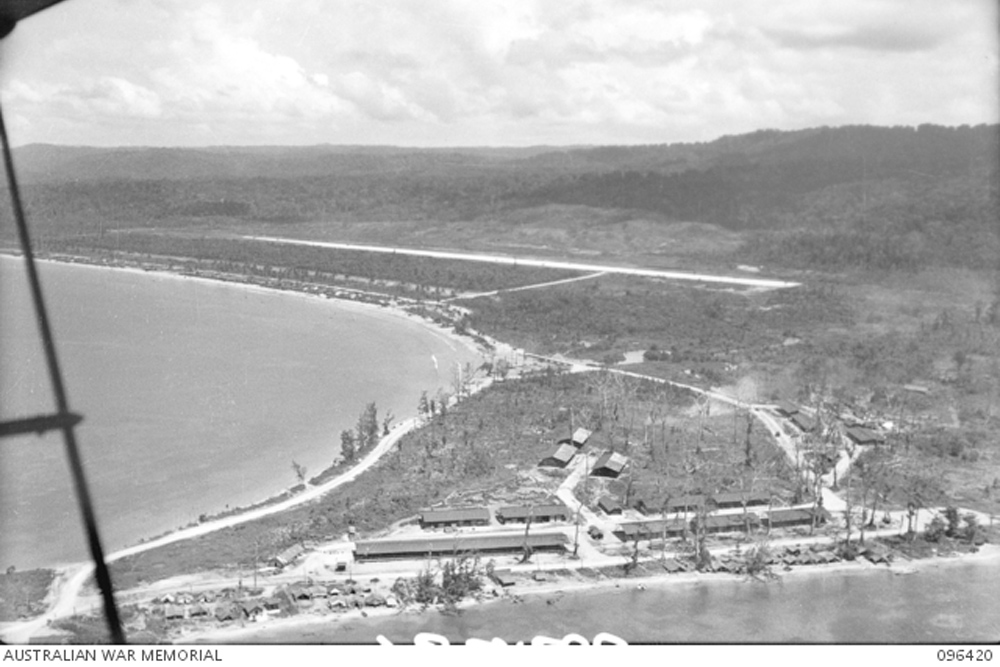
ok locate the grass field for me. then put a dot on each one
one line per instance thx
(21, 593)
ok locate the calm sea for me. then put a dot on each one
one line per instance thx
(196, 396)
(956, 602)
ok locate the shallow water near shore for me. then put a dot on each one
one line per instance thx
(953, 602)
(196, 396)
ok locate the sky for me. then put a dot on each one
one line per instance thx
(490, 72)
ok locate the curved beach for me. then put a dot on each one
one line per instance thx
(231, 414)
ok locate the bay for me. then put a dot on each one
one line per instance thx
(197, 396)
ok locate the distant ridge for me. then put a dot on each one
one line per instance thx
(886, 197)
(879, 147)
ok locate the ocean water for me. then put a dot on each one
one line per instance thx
(953, 603)
(196, 396)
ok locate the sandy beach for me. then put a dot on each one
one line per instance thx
(73, 577)
(386, 311)
(306, 625)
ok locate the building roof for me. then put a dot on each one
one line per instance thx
(290, 554)
(682, 502)
(459, 544)
(862, 435)
(795, 515)
(787, 408)
(612, 461)
(537, 511)
(804, 421)
(916, 388)
(174, 611)
(671, 565)
(729, 521)
(562, 454)
(609, 505)
(504, 577)
(455, 515)
(648, 504)
(579, 438)
(652, 528)
(736, 498)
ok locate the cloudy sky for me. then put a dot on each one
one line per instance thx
(490, 72)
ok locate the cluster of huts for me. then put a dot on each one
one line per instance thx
(785, 556)
(227, 605)
(344, 595)
(815, 554)
(609, 464)
(807, 423)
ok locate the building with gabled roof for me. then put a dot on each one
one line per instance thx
(735, 499)
(804, 422)
(288, 556)
(648, 505)
(610, 464)
(579, 438)
(173, 612)
(795, 516)
(728, 523)
(504, 578)
(459, 544)
(864, 436)
(786, 408)
(685, 504)
(538, 513)
(609, 505)
(651, 529)
(560, 458)
(454, 516)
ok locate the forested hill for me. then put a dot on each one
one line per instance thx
(891, 197)
(833, 154)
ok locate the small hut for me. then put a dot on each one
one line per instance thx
(227, 611)
(504, 578)
(173, 612)
(609, 505)
(288, 556)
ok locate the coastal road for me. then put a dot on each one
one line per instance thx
(512, 260)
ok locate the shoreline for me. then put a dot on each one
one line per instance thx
(307, 622)
(388, 306)
(481, 346)
(74, 574)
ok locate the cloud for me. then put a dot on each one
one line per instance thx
(219, 70)
(508, 71)
(104, 96)
(870, 38)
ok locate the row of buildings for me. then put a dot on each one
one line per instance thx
(721, 523)
(451, 517)
(688, 503)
